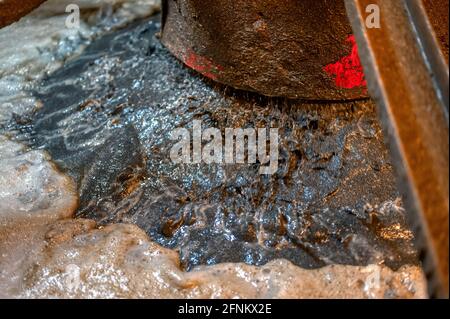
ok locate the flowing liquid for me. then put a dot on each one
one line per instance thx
(105, 118)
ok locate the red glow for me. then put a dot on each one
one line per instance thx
(203, 65)
(348, 72)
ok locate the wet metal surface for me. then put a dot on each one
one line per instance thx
(106, 122)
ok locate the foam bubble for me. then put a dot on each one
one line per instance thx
(119, 261)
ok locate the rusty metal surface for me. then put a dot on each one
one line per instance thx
(401, 79)
(429, 23)
(437, 12)
(13, 10)
(276, 48)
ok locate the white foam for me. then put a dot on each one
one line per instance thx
(39, 44)
(119, 261)
(30, 185)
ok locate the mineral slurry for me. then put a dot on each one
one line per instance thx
(106, 117)
(107, 122)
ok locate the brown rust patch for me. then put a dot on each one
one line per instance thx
(13, 10)
(276, 48)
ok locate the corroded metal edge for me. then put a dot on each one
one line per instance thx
(13, 10)
(415, 123)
